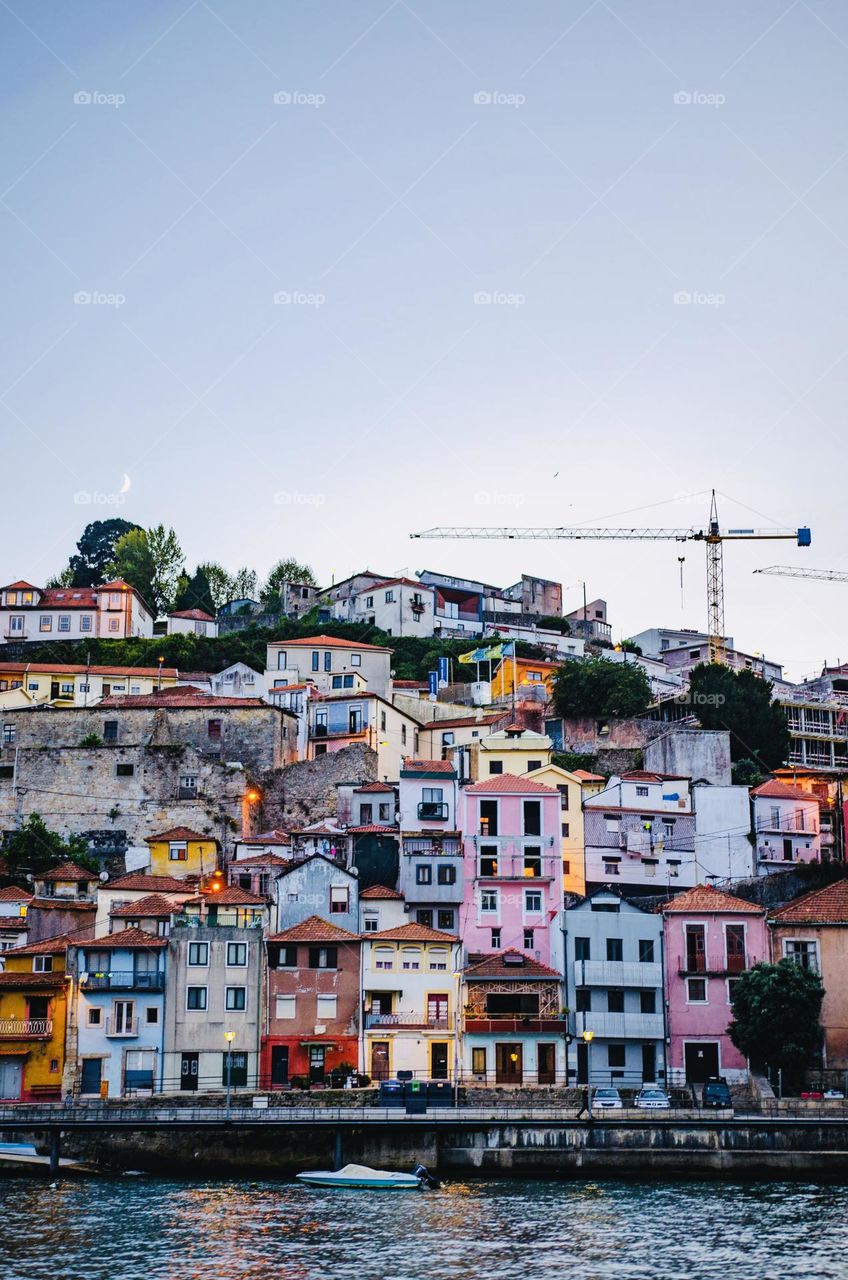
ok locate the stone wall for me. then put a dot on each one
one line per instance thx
(307, 791)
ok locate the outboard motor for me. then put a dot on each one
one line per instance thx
(425, 1178)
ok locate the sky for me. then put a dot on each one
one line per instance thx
(301, 278)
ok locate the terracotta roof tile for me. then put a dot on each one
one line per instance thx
(512, 783)
(153, 905)
(411, 933)
(78, 669)
(413, 765)
(327, 642)
(774, 790)
(378, 892)
(233, 896)
(129, 939)
(267, 837)
(261, 860)
(183, 697)
(705, 898)
(195, 615)
(13, 924)
(314, 929)
(180, 833)
(822, 906)
(63, 904)
(461, 722)
(47, 947)
(372, 828)
(13, 894)
(67, 871)
(141, 881)
(496, 966)
(375, 787)
(23, 981)
(585, 776)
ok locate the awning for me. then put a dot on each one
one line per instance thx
(9, 1051)
(323, 1044)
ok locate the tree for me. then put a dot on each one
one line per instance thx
(597, 687)
(65, 578)
(553, 622)
(776, 1016)
(134, 563)
(741, 702)
(96, 551)
(220, 582)
(168, 562)
(243, 584)
(284, 571)
(34, 849)
(195, 593)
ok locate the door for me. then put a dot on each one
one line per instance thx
(546, 1063)
(649, 1063)
(279, 1065)
(582, 1062)
(701, 1061)
(11, 1078)
(379, 1060)
(437, 1011)
(145, 964)
(695, 948)
(189, 1071)
(92, 1073)
(122, 1018)
(54, 689)
(787, 849)
(509, 1060)
(107, 689)
(316, 1063)
(438, 1061)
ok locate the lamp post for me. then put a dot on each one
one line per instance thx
(229, 1036)
(588, 1037)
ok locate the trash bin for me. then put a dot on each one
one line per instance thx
(104, 1090)
(391, 1093)
(415, 1094)
(439, 1093)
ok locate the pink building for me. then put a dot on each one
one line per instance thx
(709, 938)
(512, 840)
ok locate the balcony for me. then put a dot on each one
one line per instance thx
(552, 1024)
(26, 1028)
(432, 812)
(616, 973)
(435, 845)
(123, 981)
(407, 1021)
(126, 1030)
(622, 1026)
(697, 965)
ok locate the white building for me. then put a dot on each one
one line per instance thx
(239, 681)
(398, 606)
(113, 611)
(319, 658)
(192, 622)
(786, 825)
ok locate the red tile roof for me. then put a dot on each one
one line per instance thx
(67, 871)
(374, 786)
(460, 722)
(68, 598)
(314, 929)
(12, 924)
(63, 904)
(327, 642)
(23, 981)
(372, 829)
(511, 783)
(380, 891)
(585, 776)
(267, 837)
(78, 669)
(411, 933)
(774, 790)
(181, 697)
(180, 833)
(643, 775)
(232, 896)
(153, 905)
(20, 585)
(142, 881)
(413, 765)
(495, 966)
(47, 947)
(822, 906)
(261, 860)
(129, 939)
(195, 615)
(705, 898)
(13, 894)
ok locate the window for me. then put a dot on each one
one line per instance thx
(403, 734)
(366, 814)
(285, 1007)
(234, 1069)
(371, 923)
(339, 900)
(124, 770)
(478, 1062)
(85, 622)
(42, 964)
(446, 875)
(237, 955)
(615, 949)
(582, 949)
(488, 860)
(316, 660)
(529, 937)
(178, 851)
(198, 955)
(114, 624)
(647, 1001)
(235, 998)
(583, 1000)
(612, 869)
(188, 786)
(32, 686)
(805, 954)
(532, 902)
(432, 795)
(110, 731)
(151, 1015)
(45, 622)
(533, 764)
(566, 830)
(356, 659)
(612, 822)
(488, 900)
(488, 825)
(646, 950)
(383, 812)
(423, 873)
(445, 920)
(424, 916)
(642, 791)
(732, 984)
(382, 722)
(696, 990)
(532, 818)
(615, 1055)
(734, 941)
(213, 730)
(615, 1000)
(410, 958)
(384, 958)
(495, 766)
(326, 1008)
(8, 734)
(496, 939)
(532, 861)
(16, 624)
(195, 997)
(95, 1017)
(566, 867)
(328, 660)
(323, 957)
(390, 597)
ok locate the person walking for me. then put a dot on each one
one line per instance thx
(584, 1107)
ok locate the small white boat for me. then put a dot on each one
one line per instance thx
(359, 1175)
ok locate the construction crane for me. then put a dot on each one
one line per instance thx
(812, 575)
(712, 536)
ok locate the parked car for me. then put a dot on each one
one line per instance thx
(652, 1097)
(607, 1100)
(716, 1093)
(834, 1094)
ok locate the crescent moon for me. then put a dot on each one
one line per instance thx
(125, 484)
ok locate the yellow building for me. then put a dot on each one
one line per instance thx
(33, 1018)
(30, 684)
(522, 674)
(181, 852)
(571, 810)
(513, 750)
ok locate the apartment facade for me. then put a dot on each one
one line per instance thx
(35, 991)
(319, 658)
(113, 611)
(32, 684)
(786, 826)
(514, 1025)
(431, 859)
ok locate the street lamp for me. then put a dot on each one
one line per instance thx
(229, 1036)
(588, 1037)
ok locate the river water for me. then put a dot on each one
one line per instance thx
(145, 1228)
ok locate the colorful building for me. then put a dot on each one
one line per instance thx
(520, 675)
(313, 1004)
(182, 852)
(431, 862)
(513, 749)
(13, 909)
(813, 931)
(34, 995)
(28, 684)
(64, 903)
(710, 938)
(786, 826)
(570, 788)
(514, 1027)
(113, 611)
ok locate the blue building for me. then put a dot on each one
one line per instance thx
(318, 887)
(120, 1013)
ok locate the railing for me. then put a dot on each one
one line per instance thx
(625, 1026)
(26, 1028)
(698, 966)
(617, 973)
(123, 981)
(510, 1024)
(433, 847)
(432, 812)
(128, 1028)
(421, 1020)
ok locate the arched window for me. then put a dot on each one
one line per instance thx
(438, 958)
(384, 958)
(411, 958)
